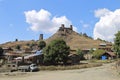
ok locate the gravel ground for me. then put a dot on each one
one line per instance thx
(105, 72)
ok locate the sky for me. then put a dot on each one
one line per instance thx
(27, 19)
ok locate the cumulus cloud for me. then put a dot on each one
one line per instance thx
(43, 21)
(108, 24)
(102, 12)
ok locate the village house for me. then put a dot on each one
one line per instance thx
(9, 56)
(87, 54)
(106, 46)
(109, 54)
(37, 58)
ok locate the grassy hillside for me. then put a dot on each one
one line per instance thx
(23, 44)
(75, 40)
(72, 38)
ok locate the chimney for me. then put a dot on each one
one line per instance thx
(71, 27)
(41, 37)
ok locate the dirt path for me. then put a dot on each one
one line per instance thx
(105, 72)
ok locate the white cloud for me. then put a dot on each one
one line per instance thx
(44, 22)
(108, 25)
(102, 12)
(86, 25)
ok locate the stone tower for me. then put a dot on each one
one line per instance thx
(41, 37)
(71, 27)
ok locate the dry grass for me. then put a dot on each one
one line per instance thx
(13, 44)
(118, 66)
(75, 41)
(81, 66)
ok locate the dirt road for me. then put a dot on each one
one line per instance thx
(105, 72)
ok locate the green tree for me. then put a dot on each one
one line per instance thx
(56, 52)
(98, 53)
(1, 51)
(32, 44)
(18, 47)
(117, 44)
(41, 44)
(85, 35)
(80, 53)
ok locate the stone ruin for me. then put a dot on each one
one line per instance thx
(64, 30)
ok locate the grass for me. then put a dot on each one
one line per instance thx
(80, 66)
(101, 61)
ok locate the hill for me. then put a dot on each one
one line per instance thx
(72, 38)
(23, 44)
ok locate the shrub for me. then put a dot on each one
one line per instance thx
(98, 53)
(80, 53)
(41, 44)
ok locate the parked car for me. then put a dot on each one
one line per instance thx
(28, 68)
(33, 67)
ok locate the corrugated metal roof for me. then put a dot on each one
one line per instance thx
(31, 55)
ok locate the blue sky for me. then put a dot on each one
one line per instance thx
(26, 19)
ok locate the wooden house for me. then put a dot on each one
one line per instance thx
(108, 55)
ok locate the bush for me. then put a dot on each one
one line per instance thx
(41, 44)
(98, 53)
(18, 47)
(81, 66)
(80, 53)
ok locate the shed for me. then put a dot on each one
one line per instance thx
(108, 55)
(74, 58)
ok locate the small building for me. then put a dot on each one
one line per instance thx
(11, 55)
(11, 66)
(7, 49)
(74, 59)
(87, 54)
(108, 55)
(32, 58)
(105, 46)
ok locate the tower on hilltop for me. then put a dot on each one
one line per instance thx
(65, 29)
(62, 28)
(41, 37)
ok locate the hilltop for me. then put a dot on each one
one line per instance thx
(72, 38)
